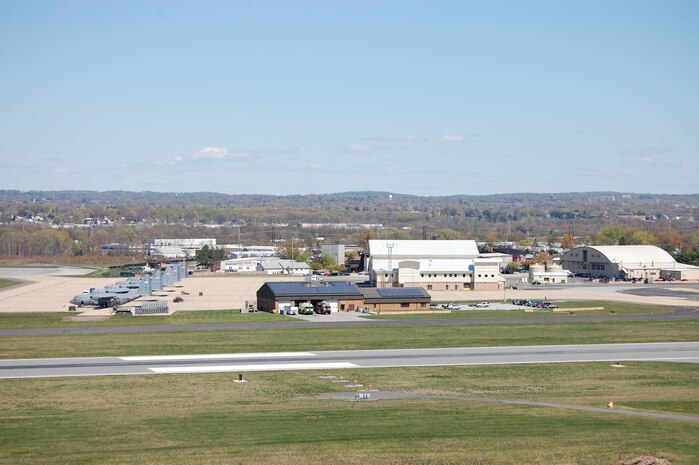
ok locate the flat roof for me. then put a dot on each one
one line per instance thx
(395, 294)
(310, 289)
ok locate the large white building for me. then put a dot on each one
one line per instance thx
(169, 247)
(646, 262)
(266, 265)
(432, 265)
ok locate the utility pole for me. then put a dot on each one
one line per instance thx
(389, 246)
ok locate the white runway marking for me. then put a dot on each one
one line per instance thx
(244, 368)
(155, 358)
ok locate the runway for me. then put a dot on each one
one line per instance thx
(347, 359)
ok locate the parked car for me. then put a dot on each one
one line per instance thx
(479, 304)
(451, 306)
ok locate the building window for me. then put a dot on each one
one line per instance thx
(447, 287)
(464, 275)
(422, 275)
(429, 287)
(423, 305)
(465, 285)
(404, 305)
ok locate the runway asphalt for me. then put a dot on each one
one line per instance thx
(347, 359)
(679, 314)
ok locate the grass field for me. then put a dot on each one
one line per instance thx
(58, 320)
(279, 417)
(7, 282)
(340, 338)
(610, 308)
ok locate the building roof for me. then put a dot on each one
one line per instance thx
(395, 294)
(306, 289)
(427, 249)
(280, 264)
(634, 255)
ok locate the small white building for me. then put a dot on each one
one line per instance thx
(240, 265)
(252, 251)
(547, 274)
(280, 266)
(167, 252)
(189, 246)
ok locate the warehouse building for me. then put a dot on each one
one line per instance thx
(645, 262)
(399, 298)
(432, 265)
(340, 296)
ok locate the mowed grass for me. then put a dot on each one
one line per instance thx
(279, 418)
(65, 319)
(344, 338)
(7, 282)
(610, 308)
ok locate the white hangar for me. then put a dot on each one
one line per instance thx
(433, 265)
(646, 262)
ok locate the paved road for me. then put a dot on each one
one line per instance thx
(679, 314)
(347, 359)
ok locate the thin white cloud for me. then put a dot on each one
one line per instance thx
(216, 153)
(451, 138)
(219, 153)
(358, 148)
(314, 166)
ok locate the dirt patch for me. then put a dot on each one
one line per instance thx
(642, 460)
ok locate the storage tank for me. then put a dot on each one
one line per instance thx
(537, 268)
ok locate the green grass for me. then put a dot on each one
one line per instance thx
(7, 282)
(341, 338)
(101, 273)
(64, 319)
(610, 308)
(279, 418)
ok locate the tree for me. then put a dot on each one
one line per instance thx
(210, 256)
(364, 237)
(568, 242)
(611, 235)
(321, 261)
(289, 250)
(446, 234)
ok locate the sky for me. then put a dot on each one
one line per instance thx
(297, 97)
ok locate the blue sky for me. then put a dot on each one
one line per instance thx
(294, 97)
